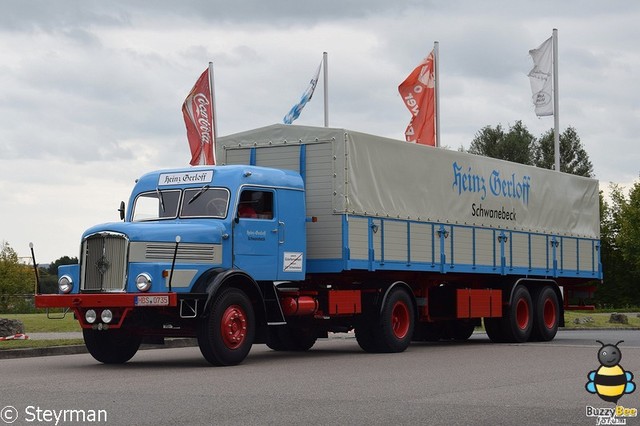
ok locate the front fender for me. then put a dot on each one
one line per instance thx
(232, 278)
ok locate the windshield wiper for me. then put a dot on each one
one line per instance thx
(199, 193)
(161, 198)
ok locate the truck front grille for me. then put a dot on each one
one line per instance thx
(104, 262)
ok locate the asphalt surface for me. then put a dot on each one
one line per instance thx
(476, 382)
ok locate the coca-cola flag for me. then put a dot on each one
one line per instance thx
(198, 118)
(418, 94)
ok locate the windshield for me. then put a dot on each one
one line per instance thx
(156, 205)
(204, 202)
(165, 204)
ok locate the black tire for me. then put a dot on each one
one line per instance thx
(226, 334)
(296, 339)
(493, 327)
(459, 330)
(516, 324)
(274, 342)
(111, 346)
(519, 322)
(365, 337)
(428, 332)
(546, 316)
(397, 322)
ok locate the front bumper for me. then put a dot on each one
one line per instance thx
(121, 304)
(106, 300)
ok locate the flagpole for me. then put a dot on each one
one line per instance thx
(556, 109)
(214, 124)
(436, 58)
(326, 89)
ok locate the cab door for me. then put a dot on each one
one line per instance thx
(291, 235)
(255, 233)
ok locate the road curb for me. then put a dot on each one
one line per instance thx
(81, 349)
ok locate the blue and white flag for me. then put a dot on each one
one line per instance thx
(295, 110)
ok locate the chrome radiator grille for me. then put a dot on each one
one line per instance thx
(104, 262)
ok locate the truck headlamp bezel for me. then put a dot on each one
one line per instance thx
(106, 316)
(143, 282)
(65, 284)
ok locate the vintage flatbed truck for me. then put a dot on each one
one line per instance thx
(303, 231)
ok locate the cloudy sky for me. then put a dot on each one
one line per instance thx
(91, 91)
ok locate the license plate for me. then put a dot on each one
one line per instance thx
(151, 300)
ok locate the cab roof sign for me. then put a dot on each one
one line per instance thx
(185, 178)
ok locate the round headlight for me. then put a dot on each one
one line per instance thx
(90, 316)
(143, 282)
(106, 316)
(65, 284)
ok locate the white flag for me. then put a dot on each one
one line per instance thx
(541, 78)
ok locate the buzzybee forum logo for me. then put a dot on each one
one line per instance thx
(610, 382)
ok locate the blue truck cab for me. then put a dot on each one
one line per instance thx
(186, 235)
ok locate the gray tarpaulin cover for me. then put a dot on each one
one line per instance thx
(384, 177)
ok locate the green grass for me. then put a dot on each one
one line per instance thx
(39, 323)
(22, 344)
(600, 320)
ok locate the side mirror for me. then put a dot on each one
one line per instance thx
(121, 210)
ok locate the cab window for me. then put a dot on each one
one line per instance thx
(255, 204)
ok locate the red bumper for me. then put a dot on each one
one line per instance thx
(106, 300)
(120, 305)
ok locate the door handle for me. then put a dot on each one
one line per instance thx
(281, 224)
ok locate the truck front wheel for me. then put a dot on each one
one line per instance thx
(226, 335)
(111, 346)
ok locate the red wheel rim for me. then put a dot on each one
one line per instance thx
(233, 326)
(549, 313)
(522, 314)
(400, 320)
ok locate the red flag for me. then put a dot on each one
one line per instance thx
(198, 118)
(418, 93)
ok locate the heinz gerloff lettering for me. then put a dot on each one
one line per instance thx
(468, 181)
(500, 186)
(184, 178)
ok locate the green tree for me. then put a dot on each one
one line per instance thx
(628, 243)
(516, 144)
(573, 157)
(620, 248)
(616, 274)
(16, 281)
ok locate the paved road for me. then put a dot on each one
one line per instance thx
(335, 383)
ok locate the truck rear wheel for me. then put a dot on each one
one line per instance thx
(517, 323)
(111, 346)
(225, 336)
(397, 322)
(366, 338)
(546, 315)
(459, 330)
(285, 338)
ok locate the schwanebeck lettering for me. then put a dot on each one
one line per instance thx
(501, 214)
